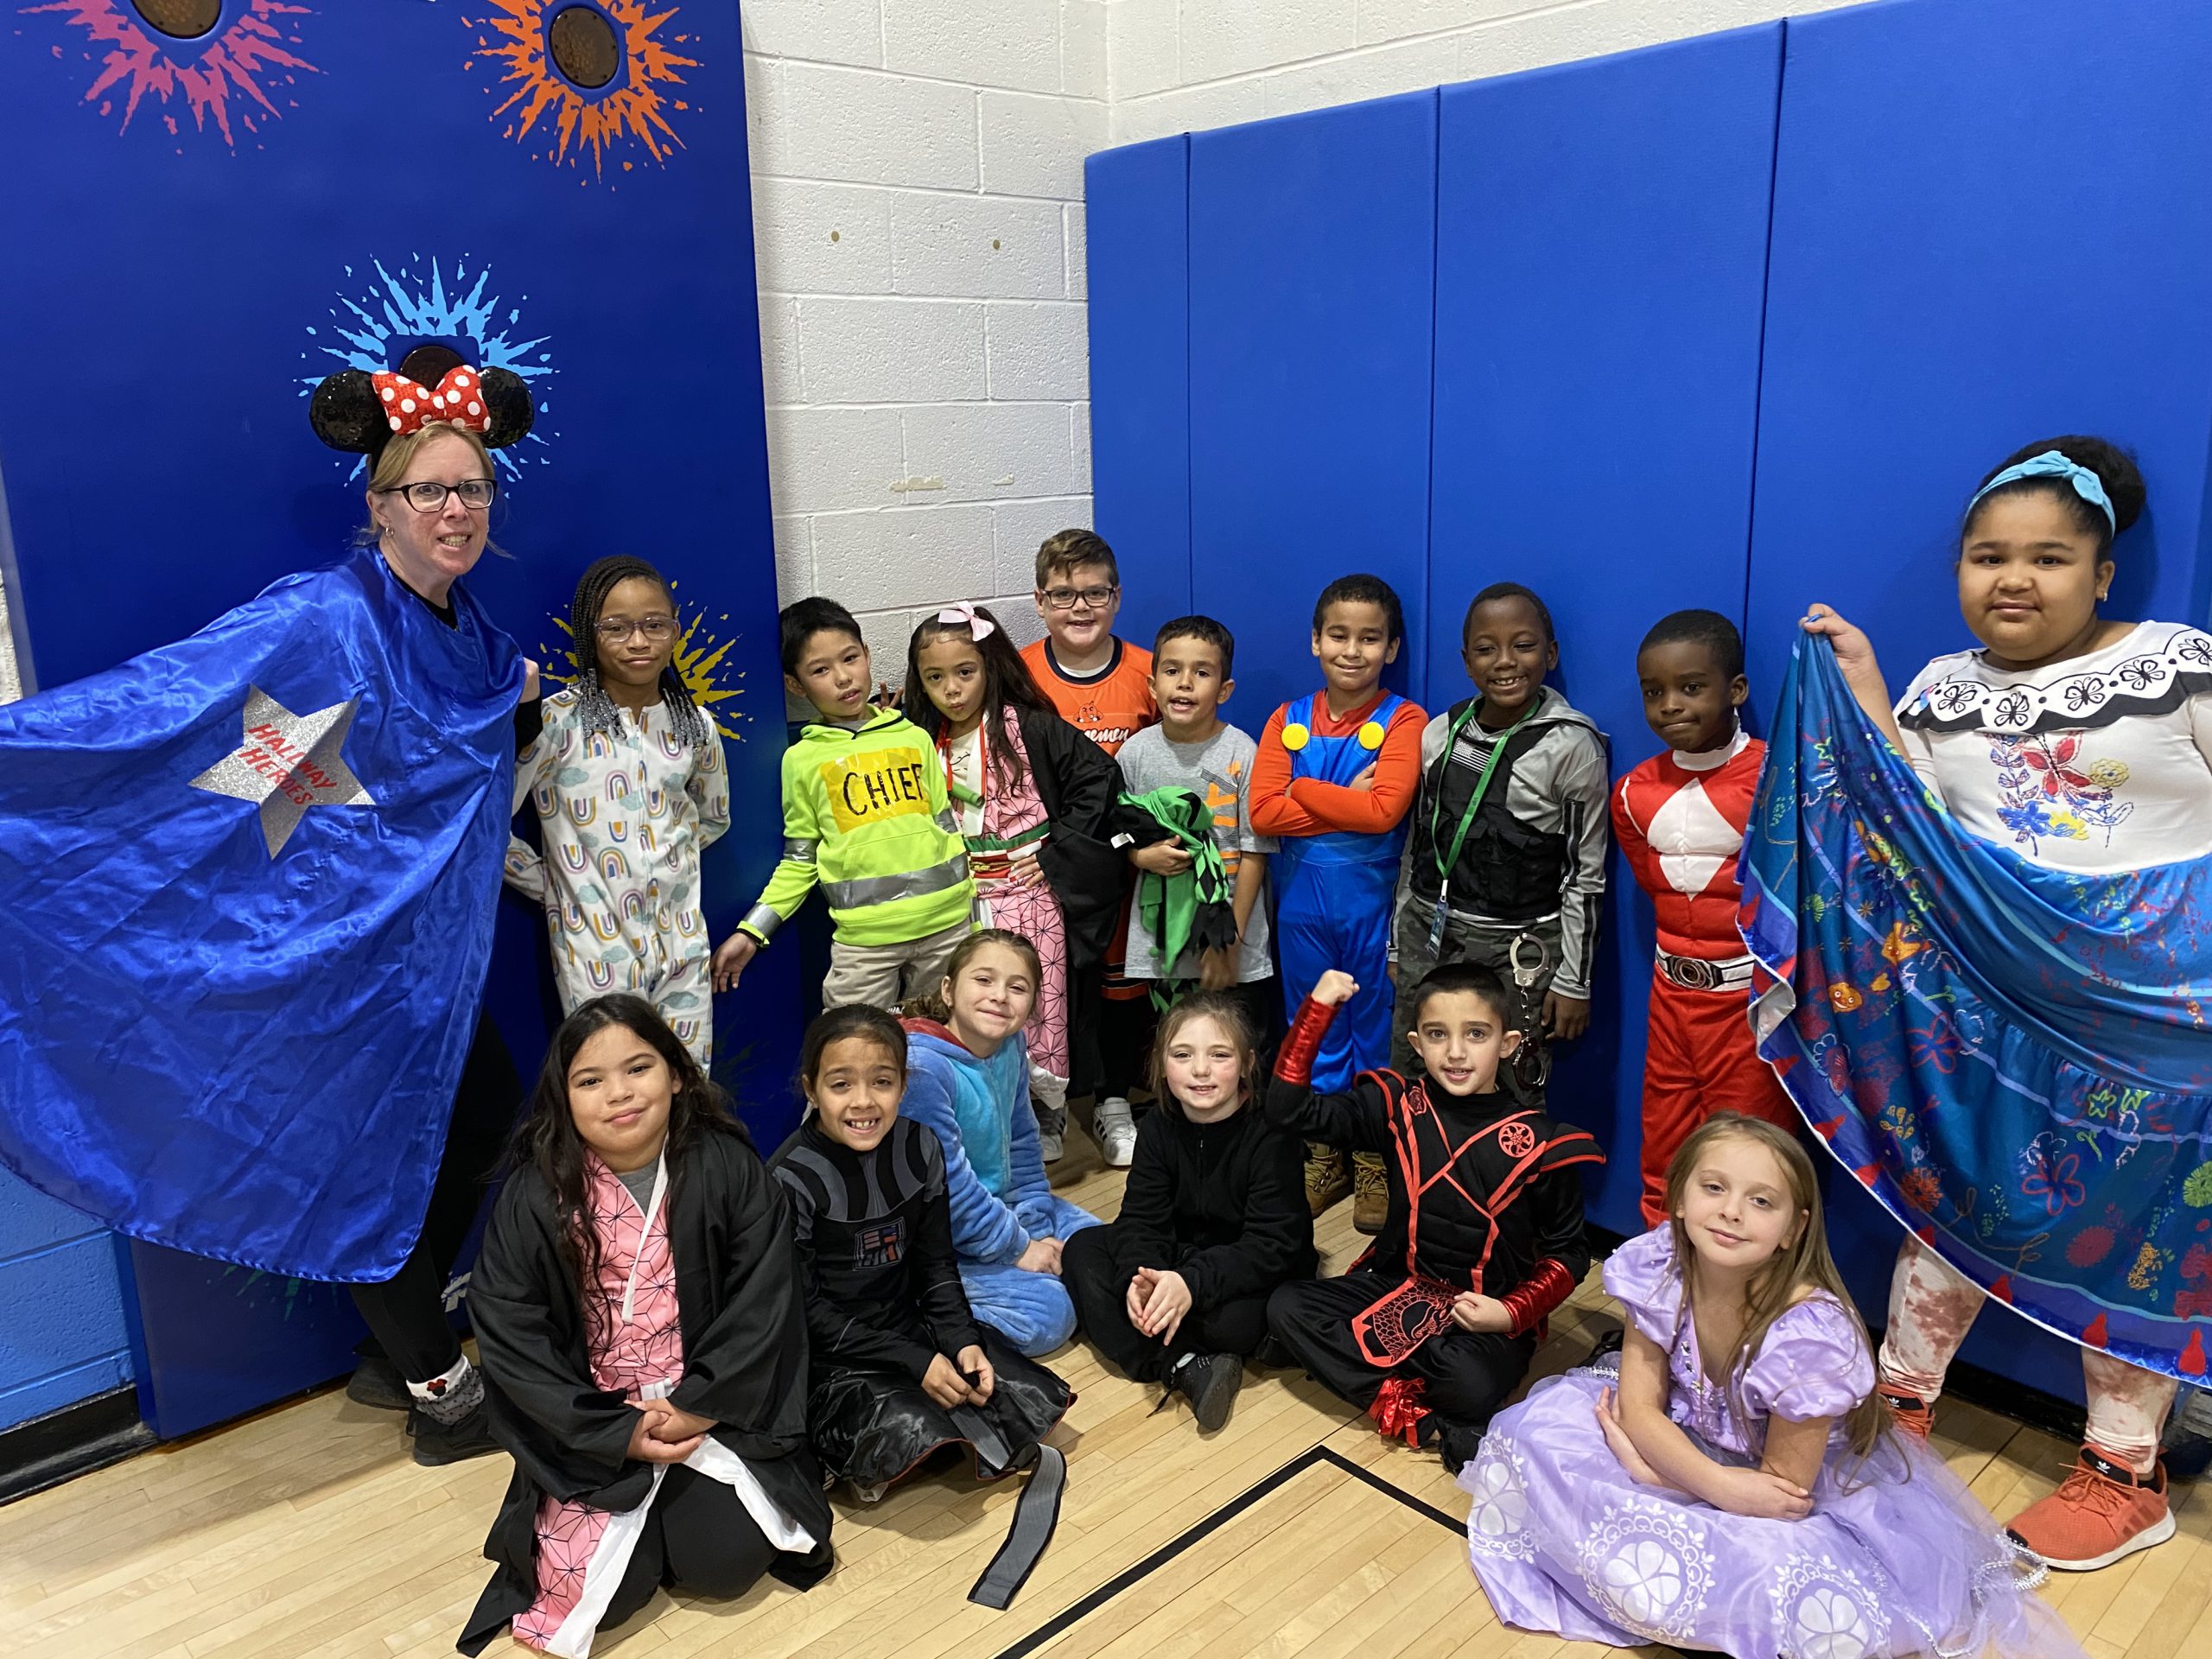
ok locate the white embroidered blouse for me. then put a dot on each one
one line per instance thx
(2099, 763)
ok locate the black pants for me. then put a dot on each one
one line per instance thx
(699, 1538)
(1100, 1287)
(406, 1313)
(1468, 1374)
(1110, 1038)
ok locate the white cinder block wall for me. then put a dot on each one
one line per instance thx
(917, 204)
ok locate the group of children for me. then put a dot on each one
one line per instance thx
(997, 877)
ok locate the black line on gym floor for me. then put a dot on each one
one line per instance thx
(1199, 1530)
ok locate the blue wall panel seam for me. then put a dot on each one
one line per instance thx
(1189, 460)
(48, 1249)
(1419, 675)
(1766, 294)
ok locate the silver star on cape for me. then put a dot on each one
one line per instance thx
(286, 764)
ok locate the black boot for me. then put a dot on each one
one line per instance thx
(1209, 1382)
(376, 1382)
(437, 1444)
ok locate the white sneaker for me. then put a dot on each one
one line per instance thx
(1048, 1142)
(1116, 1133)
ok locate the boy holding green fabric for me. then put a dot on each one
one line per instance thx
(1195, 751)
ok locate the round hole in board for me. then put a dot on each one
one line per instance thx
(584, 45)
(181, 20)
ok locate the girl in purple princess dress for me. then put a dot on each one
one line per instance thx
(1736, 1486)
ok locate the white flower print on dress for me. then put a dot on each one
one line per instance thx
(1646, 1565)
(1498, 1523)
(1827, 1611)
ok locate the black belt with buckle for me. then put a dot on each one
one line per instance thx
(1696, 974)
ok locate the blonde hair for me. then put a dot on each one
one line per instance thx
(1801, 1264)
(389, 469)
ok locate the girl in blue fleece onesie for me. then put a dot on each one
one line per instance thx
(968, 1079)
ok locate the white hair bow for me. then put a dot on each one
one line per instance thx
(979, 628)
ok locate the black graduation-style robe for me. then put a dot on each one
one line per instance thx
(745, 1345)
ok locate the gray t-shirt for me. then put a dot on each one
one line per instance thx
(1216, 770)
(640, 1182)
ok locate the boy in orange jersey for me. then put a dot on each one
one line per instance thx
(1102, 687)
(1334, 776)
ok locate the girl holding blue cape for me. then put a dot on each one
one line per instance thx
(1994, 1029)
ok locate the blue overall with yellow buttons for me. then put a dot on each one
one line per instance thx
(1333, 906)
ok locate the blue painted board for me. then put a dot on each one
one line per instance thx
(1970, 253)
(1137, 206)
(1312, 246)
(1600, 269)
(174, 278)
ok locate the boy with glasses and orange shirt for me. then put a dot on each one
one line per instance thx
(1102, 687)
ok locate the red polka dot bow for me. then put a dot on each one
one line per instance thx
(458, 400)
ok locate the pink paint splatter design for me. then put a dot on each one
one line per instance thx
(232, 77)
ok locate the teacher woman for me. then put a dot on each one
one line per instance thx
(260, 868)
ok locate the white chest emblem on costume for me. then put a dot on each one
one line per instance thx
(286, 764)
(1693, 840)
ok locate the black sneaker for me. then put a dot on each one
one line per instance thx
(376, 1382)
(1209, 1382)
(437, 1444)
(1457, 1445)
(1608, 1344)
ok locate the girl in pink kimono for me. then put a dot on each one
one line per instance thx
(1033, 796)
(642, 1337)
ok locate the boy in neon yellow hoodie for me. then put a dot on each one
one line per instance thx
(867, 818)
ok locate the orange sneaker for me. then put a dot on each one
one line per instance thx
(1911, 1414)
(2103, 1511)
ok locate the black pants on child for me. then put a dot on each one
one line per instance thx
(699, 1538)
(1090, 1267)
(406, 1312)
(1468, 1374)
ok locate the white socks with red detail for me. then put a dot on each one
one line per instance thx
(451, 1396)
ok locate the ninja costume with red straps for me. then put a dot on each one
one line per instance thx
(1680, 820)
(1485, 1197)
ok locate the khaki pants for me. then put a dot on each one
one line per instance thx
(887, 975)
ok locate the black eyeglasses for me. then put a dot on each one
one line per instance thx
(1066, 598)
(475, 494)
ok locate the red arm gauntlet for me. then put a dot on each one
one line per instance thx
(1531, 1302)
(1294, 1060)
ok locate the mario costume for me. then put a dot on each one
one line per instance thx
(1681, 821)
(1337, 865)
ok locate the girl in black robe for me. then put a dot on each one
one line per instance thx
(643, 1340)
(902, 1367)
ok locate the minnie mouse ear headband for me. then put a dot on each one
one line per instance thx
(963, 615)
(361, 412)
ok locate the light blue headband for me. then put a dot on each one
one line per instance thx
(2052, 464)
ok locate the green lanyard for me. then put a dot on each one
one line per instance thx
(1444, 866)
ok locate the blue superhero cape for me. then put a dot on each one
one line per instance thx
(249, 883)
(2014, 1060)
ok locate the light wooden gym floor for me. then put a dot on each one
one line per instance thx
(307, 1531)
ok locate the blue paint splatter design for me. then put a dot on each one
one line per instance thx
(377, 329)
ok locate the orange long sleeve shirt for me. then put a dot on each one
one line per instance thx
(1283, 805)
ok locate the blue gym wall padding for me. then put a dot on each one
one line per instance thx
(1599, 287)
(1312, 242)
(1991, 226)
(1140, 311)
(174, 280)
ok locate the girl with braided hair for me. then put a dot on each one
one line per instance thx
(629, 787)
